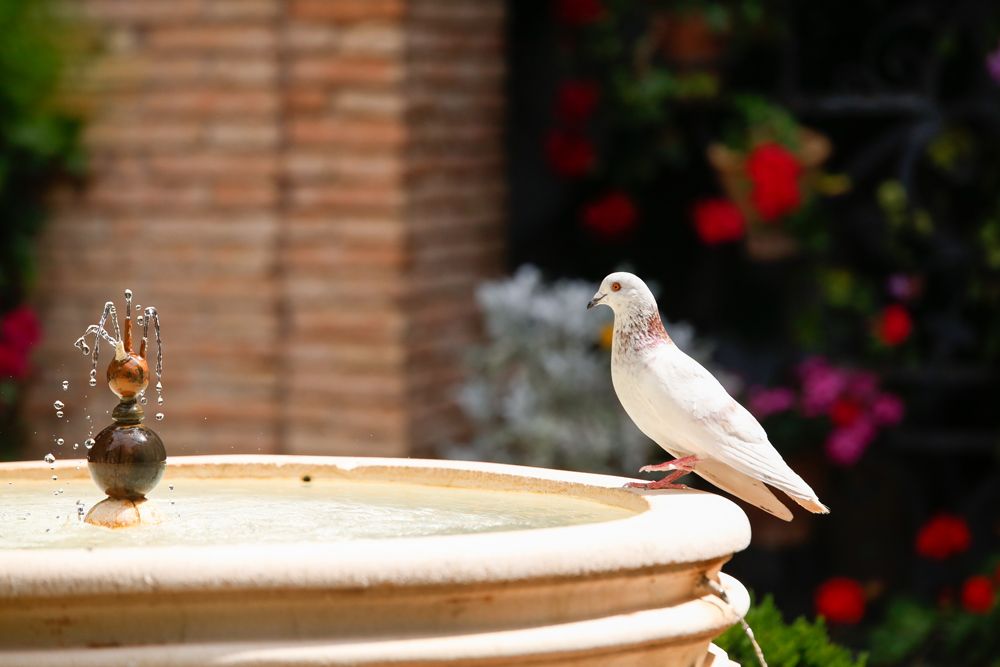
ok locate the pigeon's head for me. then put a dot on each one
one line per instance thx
(623, 291)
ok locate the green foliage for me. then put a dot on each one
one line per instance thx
(907, 626)
(917, 633)
(801, 643)
(39, 137)
(761, 120)
(39, 144)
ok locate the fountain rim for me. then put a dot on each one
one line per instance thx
(703, 527)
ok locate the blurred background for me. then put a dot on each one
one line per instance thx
(371, 228)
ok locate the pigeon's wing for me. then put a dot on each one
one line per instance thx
(742, 486)
(725, 431)
(744, 447)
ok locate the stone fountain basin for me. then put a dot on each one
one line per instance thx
(626, 591)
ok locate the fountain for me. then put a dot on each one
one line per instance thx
(126, 459)
(293, 560)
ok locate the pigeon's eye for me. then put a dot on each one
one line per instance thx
(616, 287)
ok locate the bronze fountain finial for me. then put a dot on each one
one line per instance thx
(127, 458)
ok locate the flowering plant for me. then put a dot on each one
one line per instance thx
(539, 389)
(38, 147)
(843, 408)
(958, 627)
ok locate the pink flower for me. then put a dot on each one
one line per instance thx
(822, 384)
(846, 445)
(887, 410)
(862, 384)
(903, 287)
(993, 65)
(766, 402)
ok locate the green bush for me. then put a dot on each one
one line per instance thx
(801, 643)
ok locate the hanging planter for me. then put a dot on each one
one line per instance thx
(766, 238)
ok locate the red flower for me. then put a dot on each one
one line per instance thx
(611, 217)
(718, 221)
(570, 155)
(579, 12)
(20, 328)
(978, 594)
(840, 600)
(845, 411)
(576, 101)
(13, 361)
(894, 325)
(774, 175)
(943, 536)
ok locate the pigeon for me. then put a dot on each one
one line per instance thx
(678, 404)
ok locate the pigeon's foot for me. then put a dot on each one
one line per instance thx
(665, 483)
(685, 463)
(659, 484)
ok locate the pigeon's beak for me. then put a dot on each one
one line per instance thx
(596, 300)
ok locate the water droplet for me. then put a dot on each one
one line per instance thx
(60, 442)
(159, 400)
(59, 414)
(93, 382)
(170, 486)
(159, 386)
(58, 405)
(76, 445)
(65, 385)
(159, 416)
(49, 458)
(143, 399)
(88, 443)
(59, 491)
(128, 294)
(85, 349)
(55, 477)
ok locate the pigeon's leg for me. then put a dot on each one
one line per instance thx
(678, 467)
(665, 483)
(685, 463)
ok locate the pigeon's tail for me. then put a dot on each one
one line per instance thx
(743, 486)
(812, 504)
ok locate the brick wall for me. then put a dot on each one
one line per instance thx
(308, 191)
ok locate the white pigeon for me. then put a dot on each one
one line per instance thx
(684, 409)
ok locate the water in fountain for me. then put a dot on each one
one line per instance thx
(268, 511)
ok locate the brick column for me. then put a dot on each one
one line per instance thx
(308, 190)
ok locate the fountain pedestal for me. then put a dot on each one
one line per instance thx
(628, 591)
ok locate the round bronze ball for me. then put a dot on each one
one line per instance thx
(128, 377)
(127, 460)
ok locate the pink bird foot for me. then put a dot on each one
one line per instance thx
(678, 467)
(685, 463)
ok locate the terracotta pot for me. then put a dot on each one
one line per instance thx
(768, 241)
